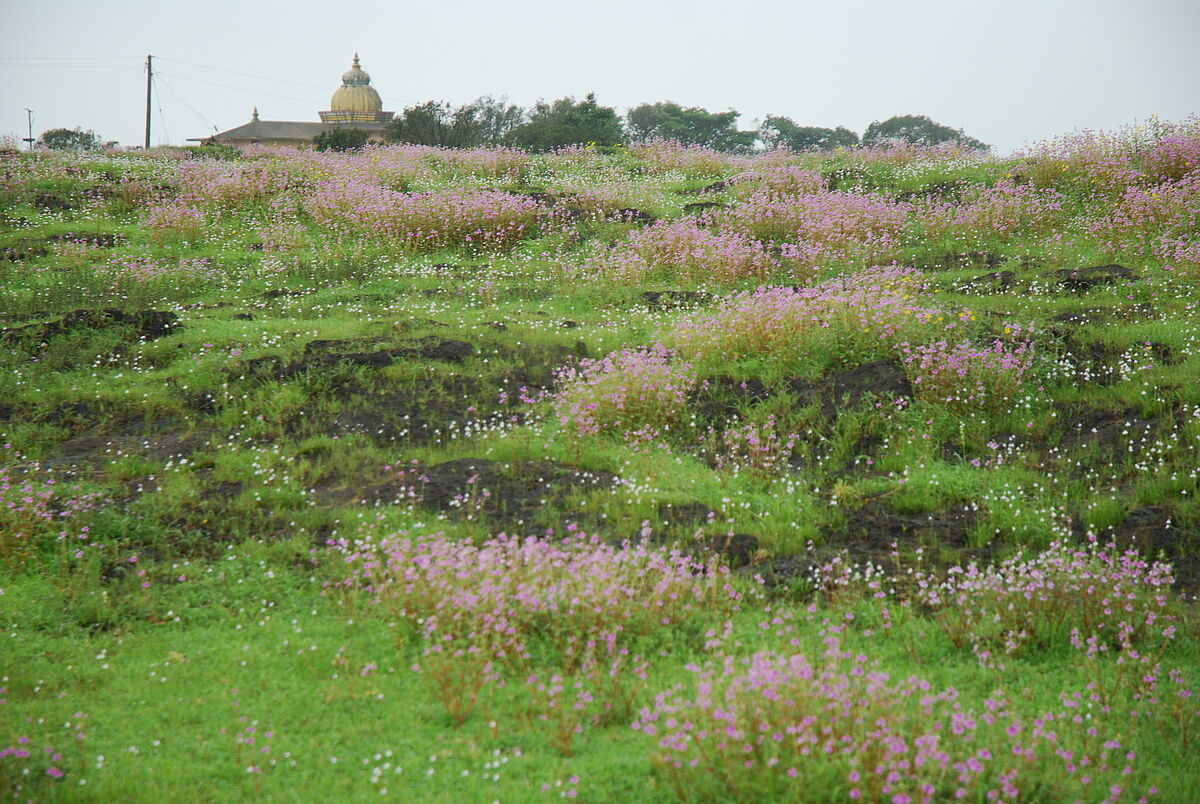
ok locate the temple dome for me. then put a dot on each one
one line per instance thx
(356, 93)
(355, 99)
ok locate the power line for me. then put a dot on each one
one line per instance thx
(239, 89)
(68, 58)
(181, 99)
(324, 88)
(161, 115)
(246, 75)
(73, 66)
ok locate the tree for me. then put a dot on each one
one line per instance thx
(429, 123)
(566, 122)
(484, 121)
(70, 139)
(340, 139)
(782, 132)
(690, 126)
(493, 118)
(917, 129)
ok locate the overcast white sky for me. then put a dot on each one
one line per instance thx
(1008, 72)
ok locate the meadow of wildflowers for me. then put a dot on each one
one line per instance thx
(650, 474)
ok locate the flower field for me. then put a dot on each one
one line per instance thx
(634, 474)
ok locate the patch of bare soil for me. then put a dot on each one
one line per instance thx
(1106, 431)
(321, 355)
(102, 440)
(870, 535)
(953, 260)
(1081, 280)
(674, 299)
(847, 389)
(147, 324)
(506, 493)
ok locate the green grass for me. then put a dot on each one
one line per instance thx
(226, 454)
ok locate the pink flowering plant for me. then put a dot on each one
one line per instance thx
(681, 251)
(786, 727)
(625, 392)
(1093, 597)
(37, 511)
(766, 180)
(694, 161)
(837, 226)
(756, 449)
(849, 317)
(479, 220)
(492, 613)
(997, 214)
(964, 375)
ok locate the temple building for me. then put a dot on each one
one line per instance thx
(355, 104)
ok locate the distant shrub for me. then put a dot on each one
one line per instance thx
(340, 139)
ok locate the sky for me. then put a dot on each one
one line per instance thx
(1009, 73)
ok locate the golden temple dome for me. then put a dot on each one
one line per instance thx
(355, 99)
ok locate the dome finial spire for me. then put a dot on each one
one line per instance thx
(254, 116)
(356, 58)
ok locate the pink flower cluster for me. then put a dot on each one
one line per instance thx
(625, 392)
(174, 219)
(485, 612)
(842, 226)
(1173, 158)
(1002, 212)
(474, 219)
(661, 156)
(778, 180)
(210, 183)
(858, 311)
(776, 727)
(682, 251)
(34, 508)
(1097, 594)
(140, 270)
(965, 375)
(757, 450)
(1146, 222)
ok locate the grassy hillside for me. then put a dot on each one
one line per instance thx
(658, 475)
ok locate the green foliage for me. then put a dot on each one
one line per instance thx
(216, 150)
(782, 132)
(229, 450)
(566, 122)
(484, 121)
(690, 126)
(340, 139)
(70, 139)
(919, 130)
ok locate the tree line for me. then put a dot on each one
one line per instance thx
(488, 121)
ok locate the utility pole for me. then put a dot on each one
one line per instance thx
(29, 138)
(149, 76)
